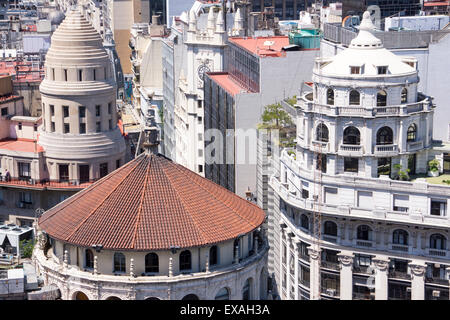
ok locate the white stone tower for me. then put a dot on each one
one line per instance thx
(80, 133)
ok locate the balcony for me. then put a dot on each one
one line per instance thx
(437, 252)
(437, 280)
(386, 150)
(331, 292)
(400, 247)
(363, 269)
(363, 296)
(414, 146)
(350, 150)
(364, 243)
(399, 275)
(330, 265)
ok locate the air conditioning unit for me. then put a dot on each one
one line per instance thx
(436, 293)
(331, 292)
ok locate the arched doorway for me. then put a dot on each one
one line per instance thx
(113, 298)
(190, 297)
(80, 296)
(247, 293)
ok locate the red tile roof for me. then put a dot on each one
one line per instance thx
(151, 203)
(225, 81)
(257, 45)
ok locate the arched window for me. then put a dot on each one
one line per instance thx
(330, 96)
(304, 221)
(185, 260)
(412, 133)
(119, 262)
(400, 237)
(352, 136)
(385, 136)
(381, 98)
(213, 255)
(88, 259)
(322, 133)
(330, 228)
(438, 242)
(151, 262)
(404, 96)
(190, 297)
(364, 232)
(354, 98)
(223, 294)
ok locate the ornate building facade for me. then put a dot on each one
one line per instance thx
(153, 230)
(364, 146)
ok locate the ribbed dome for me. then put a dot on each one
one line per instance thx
(75, 39)
(151, 203)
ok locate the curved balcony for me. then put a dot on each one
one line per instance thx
(350, 150)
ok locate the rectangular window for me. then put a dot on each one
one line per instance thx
(66, 111)
(438, 208)
(200, 136)
(24, 170)
(52, 110)
(65, 74)
(382, 69)
(52, 129)
(97, 111)
(365, 199)
(4, 111)
(117, 163)
(350, 164)
(200, 168)
(82, 128)
(199, 120)
(384, 166)
(305, 194)
(321, 162)
(110, 124)
(401, 203)
(53, 73)
(355, 70)
(35, 127)
(25, 198)
(20, 125)
(95, 78)
(80, 75)
(331, 195)
(109, 108)
(98, 127)
(82, 112)
(66, 127)
(103, 169)
(84, 173)
(63, 172)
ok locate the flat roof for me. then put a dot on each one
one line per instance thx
(258, 45)
(21, 145)
(225, 81)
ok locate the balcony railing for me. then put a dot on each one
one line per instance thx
(437, 252)
(304, 282)
(364, 243)
(388, 148)
(399, 275)
(332, 292)
(400, 247)
(363, 269)
(304, 257)
(322, 146)
(363, 296)
(330, 265)
(436, 280)
(414, 146)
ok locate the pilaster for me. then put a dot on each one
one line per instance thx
(381, 277)
(314, 255)
(346, 275)
(417, 280)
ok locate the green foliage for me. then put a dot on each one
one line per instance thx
(292, 101)
(402, 174)
(433, 165)
(446, 182)
(26, 248)
(275, 117)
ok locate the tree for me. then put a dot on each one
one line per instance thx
(275, 117)
(26, 248)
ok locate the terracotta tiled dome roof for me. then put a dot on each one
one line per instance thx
(151, 203)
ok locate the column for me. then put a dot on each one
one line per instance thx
(314, 266)
(280, 267)
(288, 264)
(417, 280)
(381, 277)
(401, 141)
(346, 275)
(296, 243)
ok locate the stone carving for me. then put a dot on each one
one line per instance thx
(95, 265)
(170, 267)
(380, 264)
(417, 270)
(132, 268)
(346, 260)
(314, 254)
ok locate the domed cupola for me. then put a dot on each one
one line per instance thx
(365, 38)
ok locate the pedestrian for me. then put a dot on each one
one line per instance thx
(7, 175)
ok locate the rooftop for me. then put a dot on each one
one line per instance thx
(225, 81)
(151, 203)
(263, 46)
(20, 145)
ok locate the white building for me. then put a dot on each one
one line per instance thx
(197, 46)
(359, 130)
